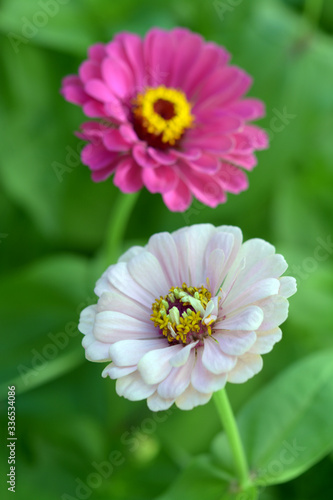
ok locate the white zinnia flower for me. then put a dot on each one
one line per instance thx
(187, 313)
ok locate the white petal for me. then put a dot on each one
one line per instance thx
(87, 320)
(182, 356)
(191, 243)
(130, 253)
(275, 311)
(192, 398)
(155, 365)
(266, 340)
(148, 273)
(156, 403)
(98, 351)
(288, 286)
(113, 371)
(129, 352)
(133, 387)
(205, 381)
(215, 270)
(117, 278)
(257, 291)
(113, 326)
(177, 380)
(163, 247)
(249, 319)
(116, 301)
(235, 342)
(247, 365)
(214, 359)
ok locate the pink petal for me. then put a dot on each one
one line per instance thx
(225, 86)
(97, 89)
(97, 52)
(118, 77)
(74, 94)
(97, 157)
(128, 176)
(210, 57)
(141, 156)
(231, 178)
(114, 141)
(89, 70)
(207, 164)
(248, 109)
(103, 173)
(162, 157)
(133, 47)
(179, 198)
(204, 187)
(159, 180)
(248, 161)
(182, 62)
(158, 56)
(211, 143)
(214, 360)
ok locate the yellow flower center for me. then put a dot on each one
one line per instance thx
(181, 315)
(163, 113)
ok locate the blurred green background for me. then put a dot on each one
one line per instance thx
(68, 417)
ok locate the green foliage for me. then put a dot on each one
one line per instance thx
(53, 245)
(287, 426)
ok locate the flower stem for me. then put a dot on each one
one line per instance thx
(230, 427)
(116, 228)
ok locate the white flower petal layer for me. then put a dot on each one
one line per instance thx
(238, 319)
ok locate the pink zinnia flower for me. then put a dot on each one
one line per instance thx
(172, 117)
(187, 313)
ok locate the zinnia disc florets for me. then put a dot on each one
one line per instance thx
(183, 316)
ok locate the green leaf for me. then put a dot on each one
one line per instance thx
(287, 427)
(202, 479)
(40, 308)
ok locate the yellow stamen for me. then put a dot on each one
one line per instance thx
(170, 129)
(175, 326)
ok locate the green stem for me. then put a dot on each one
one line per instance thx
(117, 226)
(230, 427)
